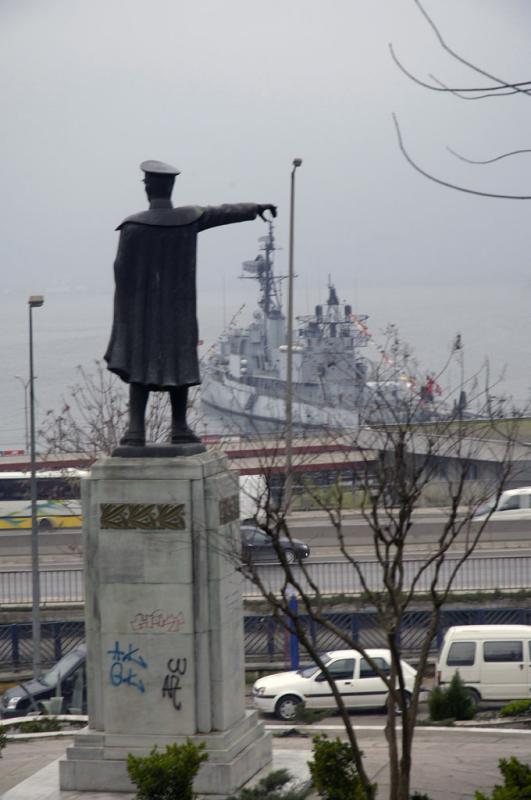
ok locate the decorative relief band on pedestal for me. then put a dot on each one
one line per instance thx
(229, 509)
(142, 516)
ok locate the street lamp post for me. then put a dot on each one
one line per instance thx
(288, 483)
(35, 301)
(25, 385)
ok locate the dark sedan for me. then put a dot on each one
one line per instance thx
(259, 546)
(27, 697)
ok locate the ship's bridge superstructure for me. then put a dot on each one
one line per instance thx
(329, 349)
(332, 378)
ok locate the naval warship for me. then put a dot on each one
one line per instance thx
(335, 383)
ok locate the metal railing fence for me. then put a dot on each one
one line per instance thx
(56, 585)
(57, 638)
(477, 573)
(266, 639)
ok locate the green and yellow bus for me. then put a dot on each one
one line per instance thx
(58, 499)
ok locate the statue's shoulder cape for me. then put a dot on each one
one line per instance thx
(164, 217)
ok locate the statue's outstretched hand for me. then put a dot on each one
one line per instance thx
(267, 207)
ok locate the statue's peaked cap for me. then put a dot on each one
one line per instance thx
(159, 168)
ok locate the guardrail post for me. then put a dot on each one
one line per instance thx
(15, 648)
(354, 627)
(271, 625)
(398, 636)
(439, 636)
(313, 630)
(57, 642)
(293, 638)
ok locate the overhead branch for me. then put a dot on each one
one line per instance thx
(447, 183)
(461, 93)
(488, 160)
(446, 47)
(492, 91)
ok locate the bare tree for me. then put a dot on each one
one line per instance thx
(496, 87)
(399, 461)
(94, 414)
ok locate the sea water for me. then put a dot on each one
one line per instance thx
(73, 327)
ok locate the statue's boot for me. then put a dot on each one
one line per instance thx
(182, 434)
(133, 438)
(135, 433)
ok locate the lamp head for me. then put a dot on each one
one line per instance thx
(36, 301)
(297, 162)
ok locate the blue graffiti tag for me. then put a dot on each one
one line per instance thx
(120, 672)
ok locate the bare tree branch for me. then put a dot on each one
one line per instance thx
(447, 183)
(400, 460)
(93, 415)
(488, 160)
(491, 91)
(461, 93)
(503, 84)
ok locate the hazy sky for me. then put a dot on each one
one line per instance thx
(231, 91)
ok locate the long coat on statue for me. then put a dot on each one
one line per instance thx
(154, 334)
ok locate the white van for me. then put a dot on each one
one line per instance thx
(494, 661)
(513, 504)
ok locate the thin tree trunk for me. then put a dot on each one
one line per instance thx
(390, 735)
(405, 760)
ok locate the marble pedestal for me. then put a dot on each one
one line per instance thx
(164, 624)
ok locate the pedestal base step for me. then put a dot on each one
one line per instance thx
(98, 762)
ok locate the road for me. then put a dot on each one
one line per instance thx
(64, 548)
(503, 561)
(427, 526)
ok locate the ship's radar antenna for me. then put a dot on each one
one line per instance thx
(261, 269)
(333, 299)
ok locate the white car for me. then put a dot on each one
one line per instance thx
(513, 504)
(359, 684)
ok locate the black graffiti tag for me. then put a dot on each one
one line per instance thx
(172, 681)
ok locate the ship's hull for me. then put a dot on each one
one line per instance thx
(235, 397)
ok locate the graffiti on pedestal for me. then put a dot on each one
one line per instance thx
(125, 666)
(172, 681)
(163, 621)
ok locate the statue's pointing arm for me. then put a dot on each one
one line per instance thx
(213, 216)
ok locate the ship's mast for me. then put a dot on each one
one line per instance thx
(261, 269)
(269, 248)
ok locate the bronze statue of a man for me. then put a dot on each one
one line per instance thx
(153, 345)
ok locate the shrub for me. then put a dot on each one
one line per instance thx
(272, 787)
(515, 708)
(3, 739)
(437, 704)
(453, 702)
(169, 775)
(517, 781)
(419, 796)
(460, 704)
(39, 725)
(333, 771)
